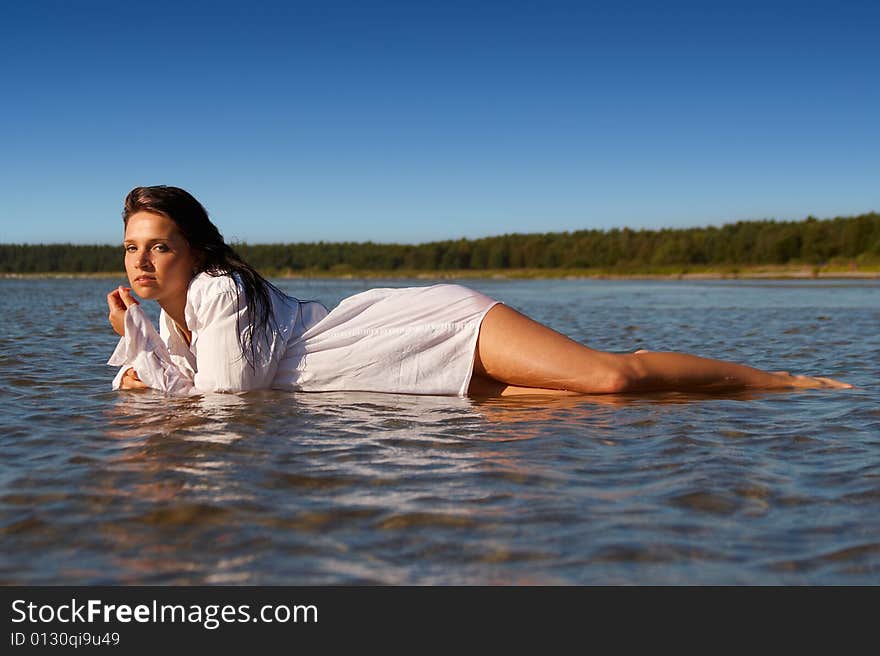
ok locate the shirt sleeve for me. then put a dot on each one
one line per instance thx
(143, 350)
(220, 364)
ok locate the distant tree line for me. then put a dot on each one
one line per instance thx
(808, 242)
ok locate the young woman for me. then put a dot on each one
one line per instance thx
(224, 328)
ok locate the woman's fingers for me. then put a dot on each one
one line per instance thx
(130, 380)
(114, 302)
(127, 298)
(119, 300)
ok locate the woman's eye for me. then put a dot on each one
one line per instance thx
(130, 249)
(161, 248)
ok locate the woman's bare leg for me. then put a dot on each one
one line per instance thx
(482, 385)
(513, 349)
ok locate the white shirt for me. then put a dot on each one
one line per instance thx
(413, 340)
(216, 315)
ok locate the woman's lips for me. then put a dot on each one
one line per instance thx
(144, 280)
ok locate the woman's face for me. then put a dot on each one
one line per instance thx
(158, 260)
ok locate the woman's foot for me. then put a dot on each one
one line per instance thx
(810, 382)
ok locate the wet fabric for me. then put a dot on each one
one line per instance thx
(412, 340)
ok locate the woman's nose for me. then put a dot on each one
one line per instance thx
(143, 261)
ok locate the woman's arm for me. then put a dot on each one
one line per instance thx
(218, 318)
(144, 359)
(119, 300)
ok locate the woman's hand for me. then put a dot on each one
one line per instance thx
(119, 300)
(130, 381)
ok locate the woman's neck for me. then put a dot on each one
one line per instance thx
(177, 311)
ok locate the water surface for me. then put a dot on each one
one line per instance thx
(102, 487)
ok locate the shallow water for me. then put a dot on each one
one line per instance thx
(102, 487)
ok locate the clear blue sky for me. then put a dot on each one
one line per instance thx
(413, 121)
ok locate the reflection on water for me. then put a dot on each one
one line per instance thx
(273, 487)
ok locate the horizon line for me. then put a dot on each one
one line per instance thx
(493, 236)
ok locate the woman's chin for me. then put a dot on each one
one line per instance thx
(146, 292)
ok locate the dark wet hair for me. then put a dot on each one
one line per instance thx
(213, 256)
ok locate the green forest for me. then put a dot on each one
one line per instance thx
(843, 241)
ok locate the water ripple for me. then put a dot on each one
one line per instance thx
(100, 487)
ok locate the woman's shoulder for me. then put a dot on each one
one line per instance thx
(212, 300)
(210, 297)
(205, 285)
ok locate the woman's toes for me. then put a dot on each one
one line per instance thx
(835, 384)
